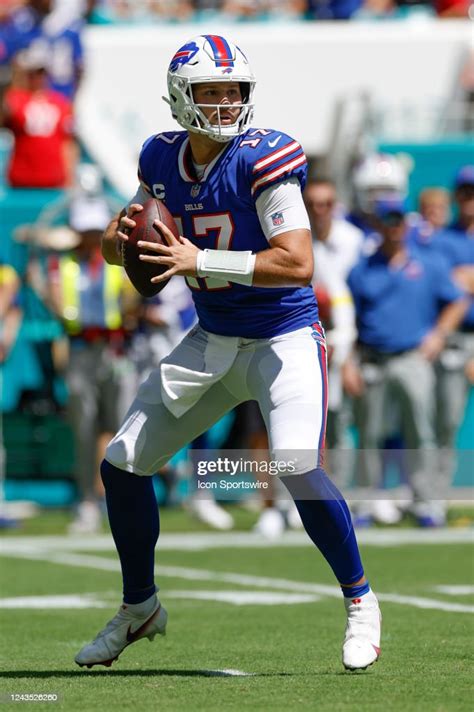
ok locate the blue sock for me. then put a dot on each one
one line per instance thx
(327, 520)
(135, 525)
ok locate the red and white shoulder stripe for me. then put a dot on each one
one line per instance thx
(277, 163)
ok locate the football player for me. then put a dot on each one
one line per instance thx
(235, 192)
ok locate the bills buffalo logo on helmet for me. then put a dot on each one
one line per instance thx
(183, 56)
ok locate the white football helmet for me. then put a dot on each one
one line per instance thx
(379, 175)
(209, 58)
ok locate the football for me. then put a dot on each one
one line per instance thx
(140, 273)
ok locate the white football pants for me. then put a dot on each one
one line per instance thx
(285, 374)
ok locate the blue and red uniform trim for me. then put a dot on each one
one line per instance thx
(319, 336)
(222, 52)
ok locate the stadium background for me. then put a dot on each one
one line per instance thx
(344, 89)
(254, 624)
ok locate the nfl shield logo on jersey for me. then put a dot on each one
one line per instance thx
(195, 190)
(278, 219)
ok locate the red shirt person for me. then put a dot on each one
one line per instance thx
(41, 121)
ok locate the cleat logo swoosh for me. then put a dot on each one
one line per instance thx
(132, 637)
(272, 144)
(377, 650)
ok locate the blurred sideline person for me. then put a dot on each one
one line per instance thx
(463, 196)
(433, 215)
(397, 293)
(248, 434)
(41, 121)
(435, 237)
(39, 25)
(90, 297)
(236, 188)
(336, 247)
(376, 176)
(11, 313)
(458, 364)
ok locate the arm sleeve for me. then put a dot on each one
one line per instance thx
(281, 208)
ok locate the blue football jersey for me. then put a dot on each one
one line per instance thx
(218, 212)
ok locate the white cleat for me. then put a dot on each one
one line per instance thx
(385, 511)
(209, 512)
(124, 629)
(88, 519)
(361, 645)
(271, 524)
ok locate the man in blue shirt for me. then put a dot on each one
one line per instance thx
(406, 306)
(453, 244)
(235, 192)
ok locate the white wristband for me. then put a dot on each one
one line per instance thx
(226, 265)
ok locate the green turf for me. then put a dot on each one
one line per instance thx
(175, 519)
(293, 651)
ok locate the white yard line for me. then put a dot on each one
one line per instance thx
(227, 672)
(97, 600)
(246, 598)
(87, 600)
(461, 590)
(192, 574)
(201, 541)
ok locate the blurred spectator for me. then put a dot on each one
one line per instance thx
(397, 294)
(163, 320)
(378, 175)
(429, 228)
(333, 9)
(463, 196)
(200, 504)
(10, 309)
(249, 435)
(336, 246)
(434, 207)
(177, 10)
(243, 9)
(431, 236)
(91, 298)
(286, 9)
(40, 119)
(455, 366)
(452, 8)
(108, 11)
(36, 23)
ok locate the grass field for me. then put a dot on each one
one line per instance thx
(251, 627)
